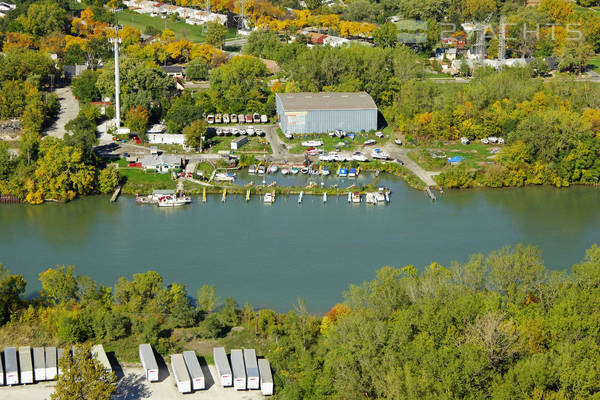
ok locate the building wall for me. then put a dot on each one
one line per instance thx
(323, 121)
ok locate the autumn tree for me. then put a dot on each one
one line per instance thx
(108, 179)
(215, 34)
(194, 133)
(83, 377)
(137, 119)
(43, 18)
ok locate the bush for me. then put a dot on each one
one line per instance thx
(116, 325)
(70, 330)
(210, 328)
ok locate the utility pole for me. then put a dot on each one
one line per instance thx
(502, 41)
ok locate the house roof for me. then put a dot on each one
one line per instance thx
(173, 69)
(163, 158)
(326, 101)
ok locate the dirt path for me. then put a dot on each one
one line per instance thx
(69, 108)
(402, 155)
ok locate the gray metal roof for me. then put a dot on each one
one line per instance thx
(326, 101)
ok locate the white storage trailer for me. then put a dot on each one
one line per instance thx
(51, 370)
(1, 370)
(180, 373)
(193, 367)
(59, 354)
(11, 366)
(223, 367)
(25, 365)
(149, 362)
(239, 369)
(266, 377)
(252, 373)
(100, 354)
(39, 364)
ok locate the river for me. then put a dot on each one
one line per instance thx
(269, 255)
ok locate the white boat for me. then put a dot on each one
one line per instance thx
(256, 118)
(380, 195)
(387, 197)
(379, 134)
(218, 119)
(273, 169)
(294, 170)
(264, 119)
(288, 135)
(312, 143)
(370, 198)
(261, 170)
(233, 118)
(358, 156)
(219, 132)
(355, 197)
(250, 130)
(398, 142)
(269, 198)
(221, 177)
(225, 118)
(172, 201)
(500, 140)
(324, 171)
(284, 171)
(240, 118)
(331, 133)
(325, 157)
(325, 197)
(380, 154)
(210, 119)
(485, 141)
(304, 170)
(370, 142)
(252, 169)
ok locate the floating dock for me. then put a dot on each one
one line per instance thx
(116, 194)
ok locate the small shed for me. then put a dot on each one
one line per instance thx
(238, 142)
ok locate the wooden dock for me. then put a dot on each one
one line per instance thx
(430, 193)
(116, 194)
(9, 199)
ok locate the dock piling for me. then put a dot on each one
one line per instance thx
(224, 195)
(248, 195)
(204, 195)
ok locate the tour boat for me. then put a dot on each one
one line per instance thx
(172, 201)
(355, 197)
(225, 118)
(294, 170)
(269, 198)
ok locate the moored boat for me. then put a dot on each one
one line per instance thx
(269, 198)
(356, 197)
(172, 201)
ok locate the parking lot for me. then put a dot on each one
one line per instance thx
(132, 385)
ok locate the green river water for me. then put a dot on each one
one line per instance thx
(269, 255)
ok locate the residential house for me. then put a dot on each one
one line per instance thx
(162, 163)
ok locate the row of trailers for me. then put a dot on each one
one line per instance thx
(245, 371)
(186, 369)
(25, 366)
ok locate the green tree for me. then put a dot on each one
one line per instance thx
(194, 133)
(81, 134)
(83, 377)
(229, 314)
(59, 284)
(215, 34)
(108, 180)
(12, 287)
(84, 86)
(74, 55)
(43, 18)
(137, 119)
(6, 164)
(206, 299)
(197, 70)
(386, 35)
(70, 330)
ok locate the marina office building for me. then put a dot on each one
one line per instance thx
(326, 111)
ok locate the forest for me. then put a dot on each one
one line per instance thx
(498, 326)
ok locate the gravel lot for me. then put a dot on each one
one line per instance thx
(132, 385)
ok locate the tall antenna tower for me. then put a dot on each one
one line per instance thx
(207, 6)
(241, 17)
(502, 40)
(480, 29)
(116, 41)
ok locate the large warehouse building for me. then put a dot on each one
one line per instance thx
(324, 112)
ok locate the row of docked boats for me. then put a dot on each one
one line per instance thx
(250, 131)
(255, 118)
(380, 197)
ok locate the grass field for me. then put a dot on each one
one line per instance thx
(435, 158)
(193, 33)
(331, 143)
(595, 63)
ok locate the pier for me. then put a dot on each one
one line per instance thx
(116, 194)
(9, 199)
(430, 193)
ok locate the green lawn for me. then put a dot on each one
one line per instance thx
(595, 63)
(434, 158)
(192, 33)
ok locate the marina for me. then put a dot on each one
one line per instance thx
(270, 255)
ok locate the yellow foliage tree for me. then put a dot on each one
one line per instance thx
(16, 39)
(558, 10)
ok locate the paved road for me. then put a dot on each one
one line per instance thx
(69, 108)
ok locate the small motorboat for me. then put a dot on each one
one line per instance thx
(250, 131)
(210, 119)
(294, 171)
(324, 171)
(226, 118)
(256, 118)
(370, 198)
(218, 119)
(173, 201)
(252, 169)
(240, 118)
(399, 142)
(358, 156)
(261, 170)
(380, 195)
(331, 133)
(312, 143)
(219, 132)
(233, 118)
(220, 177)
(269, 198)
(352, 173)
(300, 197)
(349, 197)
(343, 173)
(304, 170)
(248, 119)
(284, 171)
(264, 119)
(273, 169)
(379, 134)
(355, 197)
(370, 142)
(380, 154)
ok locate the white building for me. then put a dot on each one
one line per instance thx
(166, 138)
(161, 163)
